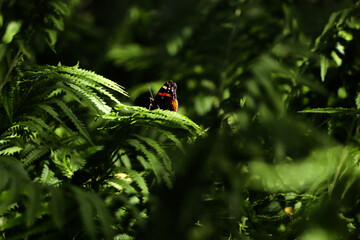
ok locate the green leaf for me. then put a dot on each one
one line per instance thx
(34, 203)
(104, 216)
(86, 211)
(11, 30)
(330, 110)
(345, 35)
(336, 58)
(324, 65)
(57, 207)
(51, 38)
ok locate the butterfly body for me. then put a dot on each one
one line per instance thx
(166, 98)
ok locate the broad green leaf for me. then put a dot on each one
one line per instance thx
(11, 30)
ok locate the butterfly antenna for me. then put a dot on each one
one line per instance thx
(151, 95)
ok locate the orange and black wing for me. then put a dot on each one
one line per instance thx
(166, 98)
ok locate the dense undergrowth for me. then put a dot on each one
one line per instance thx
(265, 144)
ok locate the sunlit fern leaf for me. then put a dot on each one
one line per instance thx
(85, 89)
(90, 75)
(4, 142)
(78, 124)
(159, 150)
(11, 150)
(48, 176)
(92, 97)
(158, 118)
(75, 80)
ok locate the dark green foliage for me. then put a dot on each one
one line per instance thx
(265, 144)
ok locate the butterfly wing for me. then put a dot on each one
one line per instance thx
(166, 98)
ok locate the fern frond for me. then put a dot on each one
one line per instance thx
(86, 211)
(137, 178)
(90, 75)
(158, 117)
(86, 93)
(13, 173)
(173, 138)
(40, 126)
(48, 176)
(143, 162)
(90, 84)
(330, 110)
(18, 130)
(103, 213)
(122, 185)
(34, 194)
(11, 150)
(34, 155)
(159, 150)
(51, 111)
(78, 124)
(89, 202)
(14, 167)
(8, 103)
(84, 88)
(155, 164)
(4, 141)
(57, 207)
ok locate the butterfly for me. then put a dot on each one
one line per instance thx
(166, 98)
